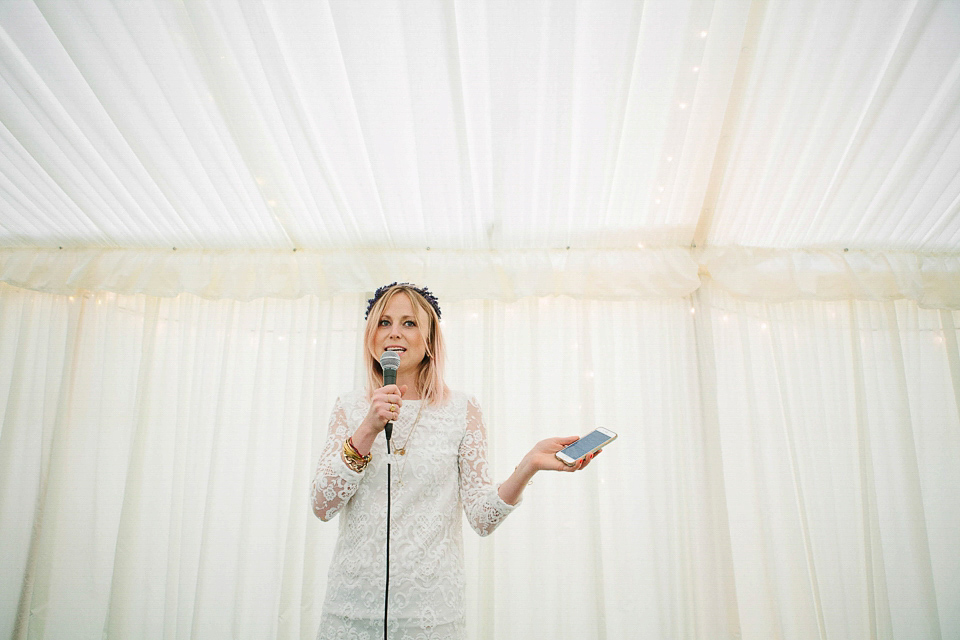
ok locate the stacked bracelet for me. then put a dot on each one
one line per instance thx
(352, 457)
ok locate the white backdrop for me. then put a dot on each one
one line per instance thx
(783, 470)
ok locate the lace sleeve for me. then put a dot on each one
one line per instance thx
(334, 483)
(481, 502)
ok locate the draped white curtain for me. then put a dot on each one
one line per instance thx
(783, 469)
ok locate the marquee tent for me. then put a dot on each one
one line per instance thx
(727, 229)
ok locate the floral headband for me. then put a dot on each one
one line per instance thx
(429, 297)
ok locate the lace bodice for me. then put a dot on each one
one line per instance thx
(445, 468)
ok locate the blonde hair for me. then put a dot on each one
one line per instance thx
(430, 383)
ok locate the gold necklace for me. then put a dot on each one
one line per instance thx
(402, 451)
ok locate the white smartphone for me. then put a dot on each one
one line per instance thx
(593, 441)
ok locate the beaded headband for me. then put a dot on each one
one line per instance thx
(429, 297)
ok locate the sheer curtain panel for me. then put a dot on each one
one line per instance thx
(783, 470)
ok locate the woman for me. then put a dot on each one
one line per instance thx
(439, 445)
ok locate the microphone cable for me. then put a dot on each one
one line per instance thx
(386, 590)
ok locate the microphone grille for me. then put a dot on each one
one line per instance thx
(389, 360)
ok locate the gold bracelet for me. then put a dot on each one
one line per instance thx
(352, 457)
(353, 464)
(352, 451)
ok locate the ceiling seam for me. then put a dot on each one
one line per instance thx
(721, 158)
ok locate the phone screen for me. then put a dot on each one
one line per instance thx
(585, 444)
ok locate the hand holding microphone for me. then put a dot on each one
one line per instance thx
(390, 362)
(384, 406)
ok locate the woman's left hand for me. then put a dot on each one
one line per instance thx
(543, 456)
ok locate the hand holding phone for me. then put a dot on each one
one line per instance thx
(593, 441)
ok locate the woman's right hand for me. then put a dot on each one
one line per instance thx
(384, 407)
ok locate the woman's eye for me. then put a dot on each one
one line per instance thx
(384, 323)
(410, 323)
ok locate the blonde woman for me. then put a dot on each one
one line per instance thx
(439, 447)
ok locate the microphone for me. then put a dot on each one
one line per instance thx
(389, 362)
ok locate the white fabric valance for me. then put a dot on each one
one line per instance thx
(452, 274)
(771, 275)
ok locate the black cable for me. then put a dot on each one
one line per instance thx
(386, 590)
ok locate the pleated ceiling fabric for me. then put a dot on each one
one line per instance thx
(360, 125)
(615, 126)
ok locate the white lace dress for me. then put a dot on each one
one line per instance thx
(445, 467)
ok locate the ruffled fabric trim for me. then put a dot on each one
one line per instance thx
(770, 275)
(245, 275)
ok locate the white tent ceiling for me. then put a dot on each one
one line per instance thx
(616, 129)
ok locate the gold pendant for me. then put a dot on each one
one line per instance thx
(401, 452)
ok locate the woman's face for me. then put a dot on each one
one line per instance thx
(398, 331)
